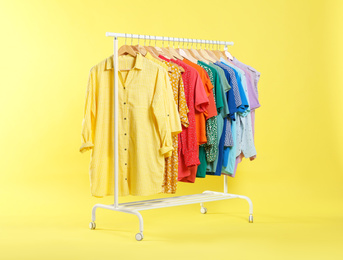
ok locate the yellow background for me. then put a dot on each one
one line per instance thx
(46, 51)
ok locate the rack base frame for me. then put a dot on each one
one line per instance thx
(136, 206)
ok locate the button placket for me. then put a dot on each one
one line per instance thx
(125, 128)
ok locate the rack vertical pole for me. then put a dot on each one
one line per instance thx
(225, 183)
(115, 115)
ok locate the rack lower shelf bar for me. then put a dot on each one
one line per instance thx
(136, 206)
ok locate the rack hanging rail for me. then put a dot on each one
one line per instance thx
(136, 206)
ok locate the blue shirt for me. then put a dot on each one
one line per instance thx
(241, 81)
(234, 99)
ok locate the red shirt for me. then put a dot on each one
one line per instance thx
(197, 100)
(200, 118)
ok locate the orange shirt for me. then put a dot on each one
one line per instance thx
(200, 118)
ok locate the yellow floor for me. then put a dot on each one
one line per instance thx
(55, 227)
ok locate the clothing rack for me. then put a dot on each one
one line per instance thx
(136, 206)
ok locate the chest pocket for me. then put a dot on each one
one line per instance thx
(141, 95)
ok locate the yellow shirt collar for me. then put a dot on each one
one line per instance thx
(138, 62)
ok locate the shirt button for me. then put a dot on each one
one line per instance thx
(168, 115)
(124, 118)
(125, 134)
(125, 163)
(124, 103)
(125, 178)
(125, 149)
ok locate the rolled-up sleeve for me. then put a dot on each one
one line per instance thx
(88, 122)
(161, 115)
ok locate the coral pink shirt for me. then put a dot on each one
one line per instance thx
(197, 100)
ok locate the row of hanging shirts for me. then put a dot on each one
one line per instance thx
(183, 114)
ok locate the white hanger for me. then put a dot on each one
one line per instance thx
(227, 54)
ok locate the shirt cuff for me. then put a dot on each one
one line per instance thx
(86, 146)
(166, 151)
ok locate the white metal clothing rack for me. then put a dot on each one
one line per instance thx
(136, 206)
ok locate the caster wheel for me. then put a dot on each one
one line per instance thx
(251, 219)
(139, 236)
(92, 225)
(203, 210)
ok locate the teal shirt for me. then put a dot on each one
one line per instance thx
(224, 87)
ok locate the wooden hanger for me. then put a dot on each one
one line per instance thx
(141, 49)
(172, 57)
(158, 51)
(211, 54)
(186, 54)
(196, 55)
(126, 49)
(190, 56)
(137, 48)
(205, 55)
(219, 54)
(150, 50)
(174, 52)
(166, 53)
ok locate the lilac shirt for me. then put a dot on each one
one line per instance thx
(252, 87)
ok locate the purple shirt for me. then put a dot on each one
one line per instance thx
(252, 77)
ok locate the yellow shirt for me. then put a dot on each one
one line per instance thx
(172, 163)
(174, 119)
(143, 120)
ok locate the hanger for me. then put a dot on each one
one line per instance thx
(219, 54)
(227, 54)
(140, 48)
(151, 51)
(159, 51)
(126, 49)
(173, 51)
(170, 55)
(205, 54)
(196, 55)
(211, 54)
(165, 52)
(181, 69)
(185, 53)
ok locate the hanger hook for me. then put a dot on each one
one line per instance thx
(125, 38)
(144, 39)
(149, 40)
